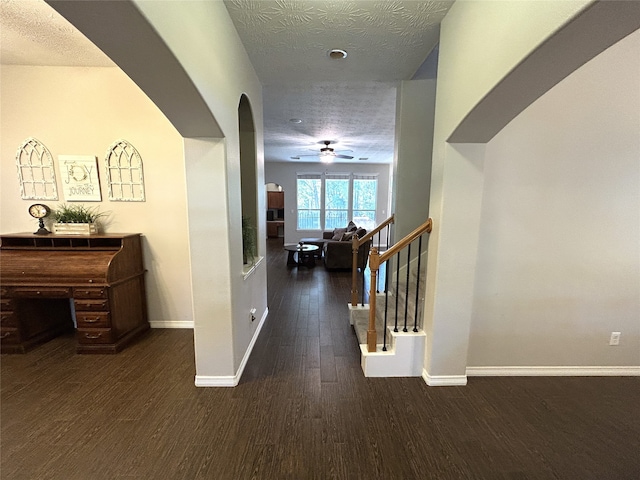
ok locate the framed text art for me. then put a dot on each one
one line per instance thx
(80, 180)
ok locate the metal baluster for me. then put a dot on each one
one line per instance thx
(415, 321)
(388, 235)
(386, 297)
(406, 289)
(378, 277)
(395, 325)
(362, 272)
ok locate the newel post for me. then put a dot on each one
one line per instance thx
(374, 266)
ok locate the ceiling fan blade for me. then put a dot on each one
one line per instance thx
(326, 152)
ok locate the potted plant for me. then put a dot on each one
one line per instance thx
(248, 241)
(76, 219)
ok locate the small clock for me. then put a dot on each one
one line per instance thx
(40, 211)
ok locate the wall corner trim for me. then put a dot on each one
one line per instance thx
(232, 380)
(444, 380)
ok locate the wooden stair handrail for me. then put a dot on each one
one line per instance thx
(375, 260)
(369, 235)
(425, 227)
(354, 252)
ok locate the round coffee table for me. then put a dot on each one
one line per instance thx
(301, 255)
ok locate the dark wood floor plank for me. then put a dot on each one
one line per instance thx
(302, 410)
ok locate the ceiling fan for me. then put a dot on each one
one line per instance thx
(326, 153)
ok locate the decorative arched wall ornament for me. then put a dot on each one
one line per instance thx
(125, 177)
(36, 173)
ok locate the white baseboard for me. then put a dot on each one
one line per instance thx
(171, 324)
(553, 371)
(216, 381)
(444, 380)
(232, 380)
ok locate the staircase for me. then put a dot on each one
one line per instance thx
(400, 345)
(404, 355)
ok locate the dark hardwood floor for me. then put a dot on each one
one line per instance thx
(302, 410)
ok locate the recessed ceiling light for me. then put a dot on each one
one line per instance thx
(337, 54)
(295, 120)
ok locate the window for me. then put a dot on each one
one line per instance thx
(336, 201)
(328, 201)
(309, 201)
(365, 191)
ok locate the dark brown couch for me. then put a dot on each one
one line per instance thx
(338, 253)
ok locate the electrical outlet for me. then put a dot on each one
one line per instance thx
(615, 338)
(252, 312)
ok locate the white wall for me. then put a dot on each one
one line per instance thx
(220, 76)
(217, 63)
(469, 68)
(559, 250)
(284, 174)
(414, 145)
(82, 111)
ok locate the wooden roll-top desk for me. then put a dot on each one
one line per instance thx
(47, 281)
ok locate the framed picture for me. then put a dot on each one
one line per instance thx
(35, 171)
(80, 179)
(125, 180)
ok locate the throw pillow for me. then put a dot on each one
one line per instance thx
(348, 236)
(361, 232)
(337, 233)
(351, 227)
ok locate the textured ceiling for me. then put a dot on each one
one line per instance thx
(349, 101)
(288, 40)
(33, 33)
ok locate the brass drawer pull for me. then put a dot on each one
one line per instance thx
(91, 320)
(92, 337)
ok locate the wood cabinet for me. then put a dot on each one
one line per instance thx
(273, 227)
(44, 280)
(275, 205)
(275, 200)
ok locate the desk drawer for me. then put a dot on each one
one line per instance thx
(8, 320)
(9, 336)
(90, 292)
(99, 305)
(44, 292)
(93, 320)
(94, 335)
